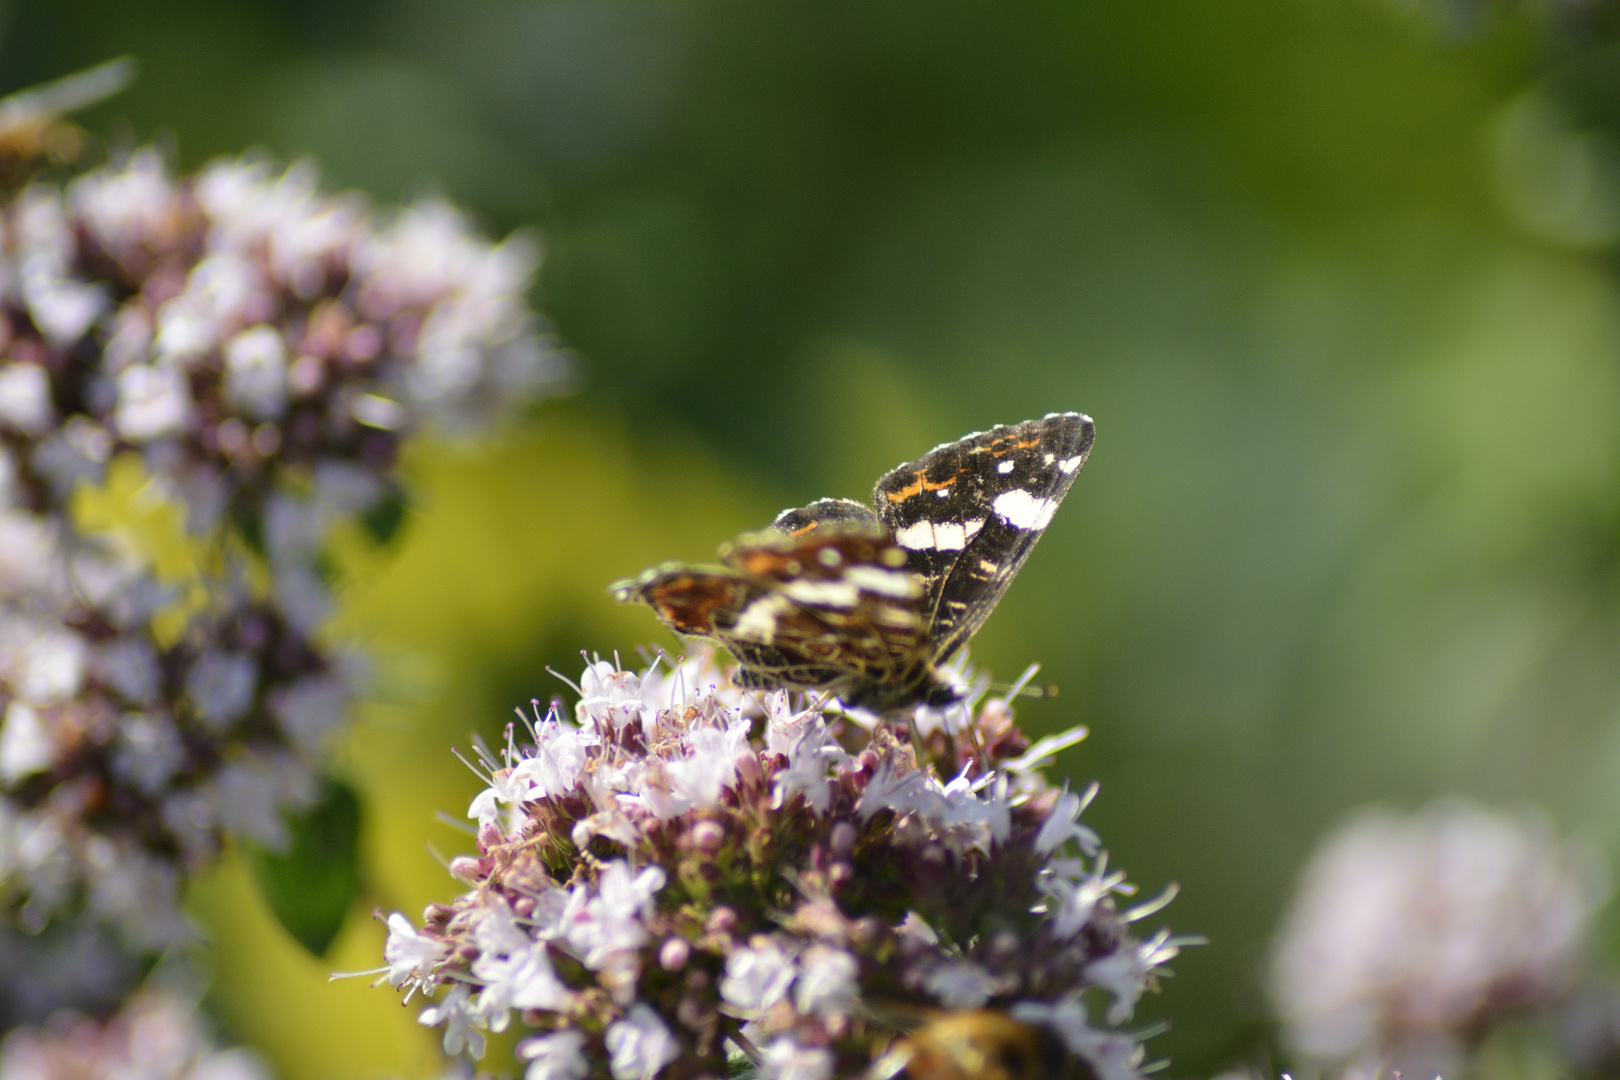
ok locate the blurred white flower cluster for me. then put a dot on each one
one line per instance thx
(156, 1036)
(1410, 937)
(685, 867)
(261, 349)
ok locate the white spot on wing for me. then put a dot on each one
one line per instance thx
(758, 620)
(827, 593)
(1048, 458)
(1068, 465)
(1004, 468)
(949, 536)
(987, 566)
(970, 529)
(918, 537)
(1022, 510)
(884, 582)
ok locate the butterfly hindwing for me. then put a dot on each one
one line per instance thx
(838, 609)
(970, 512)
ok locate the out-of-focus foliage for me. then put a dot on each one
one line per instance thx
(1334, 277)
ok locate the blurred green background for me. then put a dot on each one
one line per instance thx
(1335, 278)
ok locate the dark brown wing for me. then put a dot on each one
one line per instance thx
(969, 512)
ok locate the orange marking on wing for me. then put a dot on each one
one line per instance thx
(913, 488)
(808, 528)
(926, 486)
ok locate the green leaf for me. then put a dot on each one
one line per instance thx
(311, 885)
(383, 518)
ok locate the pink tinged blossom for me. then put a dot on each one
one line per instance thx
(826, 984)
(757, 975)
(410, 954)
(710, 767)
(785, 1059)
(555, 1057)
(613, 921)
(152, 402)
(554, 767)
(610, 698)
(640, 1045)
(455, 1012)
(1062, 825)
(961, 984)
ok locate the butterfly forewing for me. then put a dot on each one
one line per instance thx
(969, 513)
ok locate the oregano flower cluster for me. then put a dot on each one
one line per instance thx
(682, 873)
(257, 351)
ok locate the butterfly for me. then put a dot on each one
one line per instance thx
(868, 602)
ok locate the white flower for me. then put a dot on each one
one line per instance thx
(961, 984)
(152, 402)
(25, 398)
(810, 749)
(697, 779)
(52, 667)
(826, 984)
(456, 1013)
(553, 768)
(555, 1057)
(256, 372)
(785, 1059)
(896, 786)
(1125, 971)
(514, 968)
(25, 746)
(612, 921)
(222, 685)
(640, 1045)
(410, 954)
(1062, 824)
(610, 698)
(757, 975)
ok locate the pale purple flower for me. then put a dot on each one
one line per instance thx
(456, 1013)
(640, 1045)
(826, 985)
(961, 984)
(757, 975)
(222, 685)
(555, 1057)
(785, 1059)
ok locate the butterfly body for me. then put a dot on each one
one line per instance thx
(868, 601)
